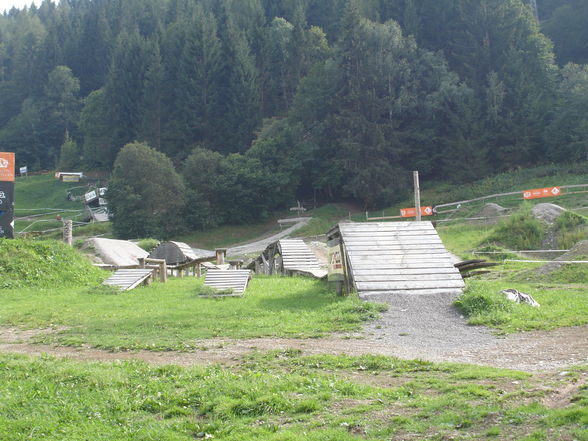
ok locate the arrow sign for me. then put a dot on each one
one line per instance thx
(547, 192)
(411, 212)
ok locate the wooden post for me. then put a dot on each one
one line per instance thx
(163, 272)
(198, 271)
(417, 195)
(141, 262)
(68, 232)
(221, 253)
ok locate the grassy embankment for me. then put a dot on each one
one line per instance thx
(560, 292)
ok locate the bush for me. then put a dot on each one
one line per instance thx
(148, 244)
(521, 231)
(571, 228)
(484, 307)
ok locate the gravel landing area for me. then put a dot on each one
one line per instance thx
(429, 327)
(426, 324)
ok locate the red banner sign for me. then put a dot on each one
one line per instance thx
(6, 166)
(411, 212)
(548, 192)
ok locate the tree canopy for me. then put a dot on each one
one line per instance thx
(280, 100)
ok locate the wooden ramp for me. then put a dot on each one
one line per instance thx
(398, 257)
(297, 257)
(127, 279)
(236, 280)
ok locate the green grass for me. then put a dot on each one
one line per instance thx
(514, 180)
(281, 396)
(567, 273)
(43, 191)
(326, 217)
(228, 235)
(561, 306)
(520, 231)
(462, 239)
(44, 264)
(172, 316)
(435, 193)
(39, 199)
(571, 228)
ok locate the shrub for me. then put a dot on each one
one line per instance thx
(484, 307)
(521, 231)
(148, 244)
(571, 228)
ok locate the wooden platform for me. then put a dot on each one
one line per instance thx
(127, 279)
(398, 257)
(236, 280)
(297, 257)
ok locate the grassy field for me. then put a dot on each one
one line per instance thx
(172, 317)
(227, 235)
(39, 199)
(284, 396)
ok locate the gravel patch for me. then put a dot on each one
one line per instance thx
(426, 324)
(548, 213)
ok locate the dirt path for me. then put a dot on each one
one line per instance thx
(532, 351)
(260, 245)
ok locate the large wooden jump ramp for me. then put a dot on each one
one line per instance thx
(398, 257)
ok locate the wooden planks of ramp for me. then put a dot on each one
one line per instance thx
(398, 257)
(236, 280)
(127, 279)
(297, 257)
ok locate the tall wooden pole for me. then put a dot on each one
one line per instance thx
(417, 195)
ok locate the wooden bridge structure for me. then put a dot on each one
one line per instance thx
(396, 257)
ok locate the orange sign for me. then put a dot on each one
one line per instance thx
(411, 212)
(6, 166)
(548, 192)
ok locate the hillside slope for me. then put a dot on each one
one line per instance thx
(25, 264)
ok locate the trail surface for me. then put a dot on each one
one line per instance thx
(532, 351)
(260, 245)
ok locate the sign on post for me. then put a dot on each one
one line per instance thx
(6, 195)
(23, 170)
(411, 212)
(6, 167)
(537, 193)
(335, 261)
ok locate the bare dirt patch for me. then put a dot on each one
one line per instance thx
(16, 335)
(531, 351)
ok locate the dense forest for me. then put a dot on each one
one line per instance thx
(246, 105)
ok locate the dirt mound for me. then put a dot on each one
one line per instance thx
(548, 213)
(492, 210)
(578, 252)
